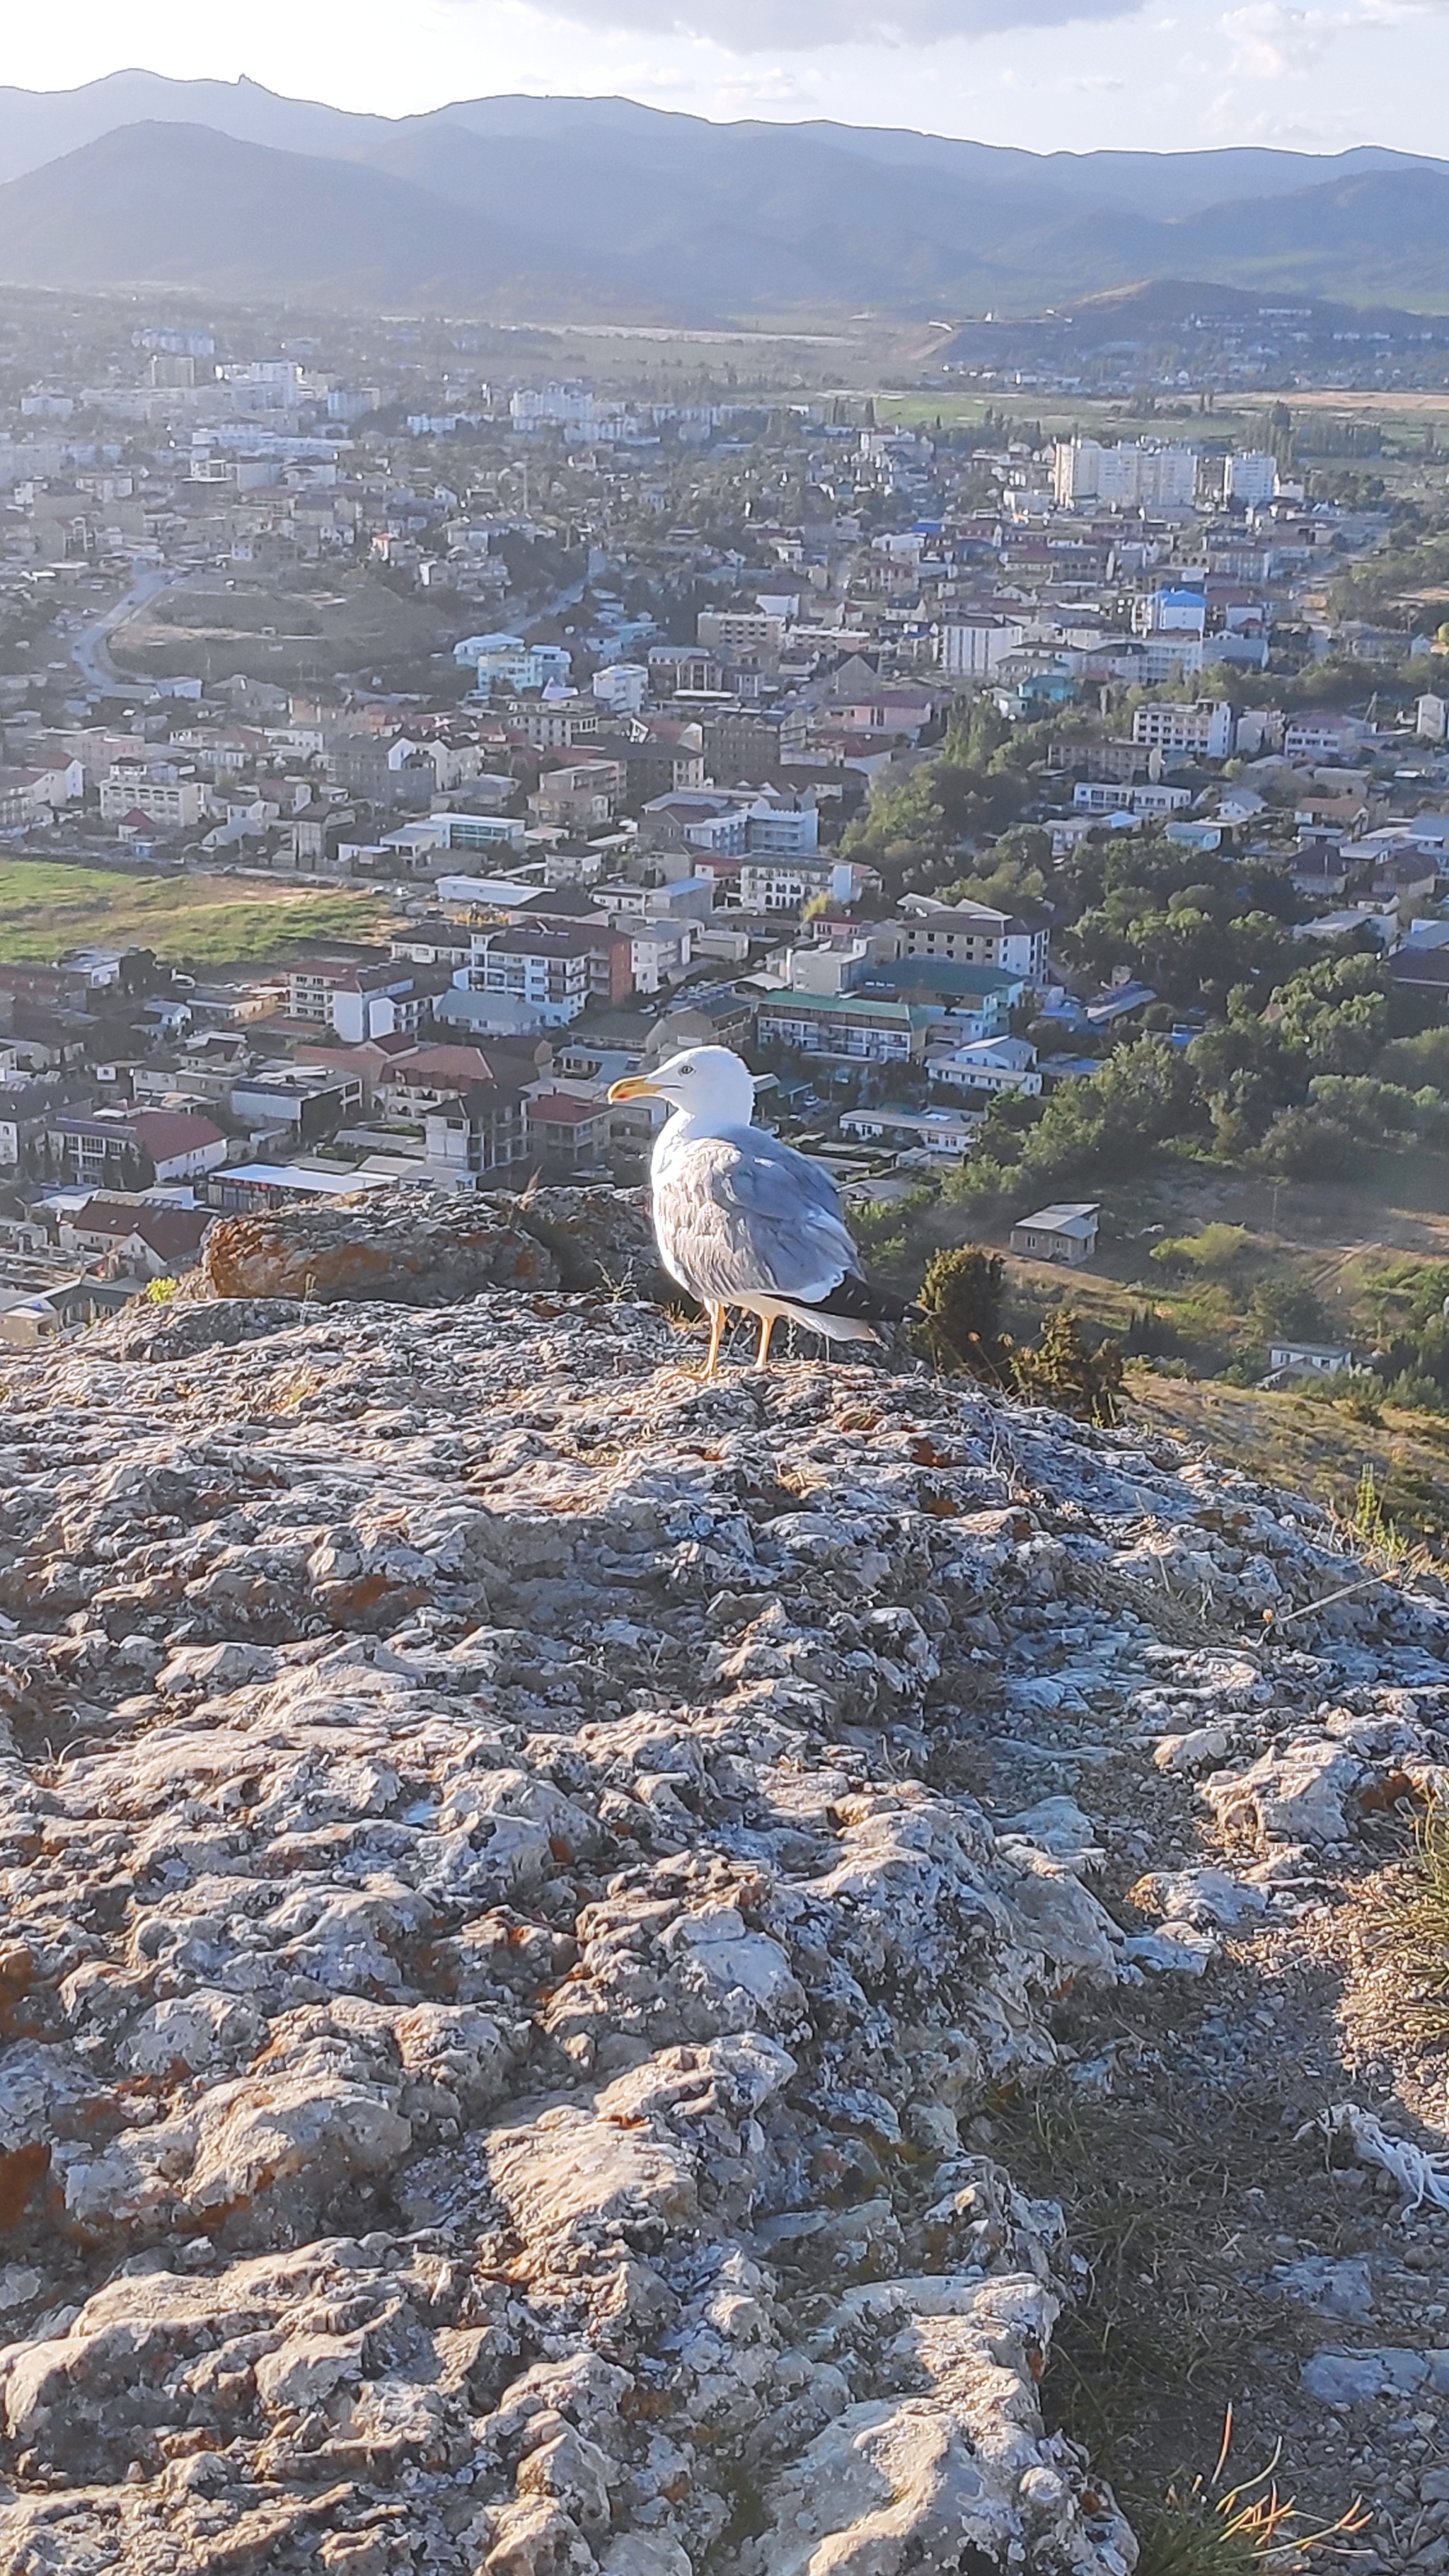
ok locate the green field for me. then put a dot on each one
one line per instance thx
(47, 908)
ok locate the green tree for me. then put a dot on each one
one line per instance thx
(962, 1296)
(1335, 1013)
(1281, 1305)
(1065, 1370)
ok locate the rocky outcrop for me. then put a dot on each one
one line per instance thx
(501, 1967)
(414, 1248)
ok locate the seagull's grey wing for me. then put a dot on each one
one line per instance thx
(741, 1215)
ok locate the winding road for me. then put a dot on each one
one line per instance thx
(89, 649)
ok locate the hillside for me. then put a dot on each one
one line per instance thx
(180, 205)
(228, 187)
(545, 1902)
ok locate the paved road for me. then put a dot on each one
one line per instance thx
(88, 649)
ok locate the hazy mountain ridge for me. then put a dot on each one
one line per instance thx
(273, 196)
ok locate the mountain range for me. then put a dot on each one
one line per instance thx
(600, 209)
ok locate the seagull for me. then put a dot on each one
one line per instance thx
(742, 1220)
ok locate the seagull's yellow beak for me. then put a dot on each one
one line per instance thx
(635, 1086)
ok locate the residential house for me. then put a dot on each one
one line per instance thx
(990, 1065)
(564, 1129)
(1290, 1357)
(947, 1132)
(34, 795)
(1145, 799)
(1320, 870)
(505, 661)
(135, 1237)
(1065, 1231)
(178, 1144)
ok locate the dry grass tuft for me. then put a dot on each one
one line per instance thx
(1408, 1934)
(1152, 2347)
(1206, 2529)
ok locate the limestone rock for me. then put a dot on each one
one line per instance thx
(498, 1980)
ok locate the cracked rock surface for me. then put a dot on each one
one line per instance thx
(500, 1966)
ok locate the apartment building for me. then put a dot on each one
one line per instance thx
(1322, 734)
(739, 630)
(395, 1000)
(172, 798)
(478, 1129)
(972, 648)
(1171, 611)
(579, 796)
(1203, 730)
(846, 1027)
(555, 970)
(1134, 474)
(554, 724)
(564, 1129)
(977, 934)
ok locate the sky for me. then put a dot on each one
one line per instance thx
(1170, 76)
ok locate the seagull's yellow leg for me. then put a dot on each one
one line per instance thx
(767, 1326)
(717, 1319)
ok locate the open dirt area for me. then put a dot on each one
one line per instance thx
(269, 631)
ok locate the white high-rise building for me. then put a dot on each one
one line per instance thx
(1135, 475)
(569, 406)
(1250, 477)
(969, 648)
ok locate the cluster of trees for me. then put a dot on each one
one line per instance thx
(1145, 1096)
(1149, 907)
(1298, 1077)
(978, 787)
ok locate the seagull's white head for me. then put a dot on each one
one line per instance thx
(711, 1084)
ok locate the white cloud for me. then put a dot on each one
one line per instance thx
(768, 26)
(1272, 41)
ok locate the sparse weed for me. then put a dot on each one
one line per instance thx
(1411, 1931)
(1206, 2529)
(1366, 1531)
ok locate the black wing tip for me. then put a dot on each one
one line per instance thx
(861, 1302)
